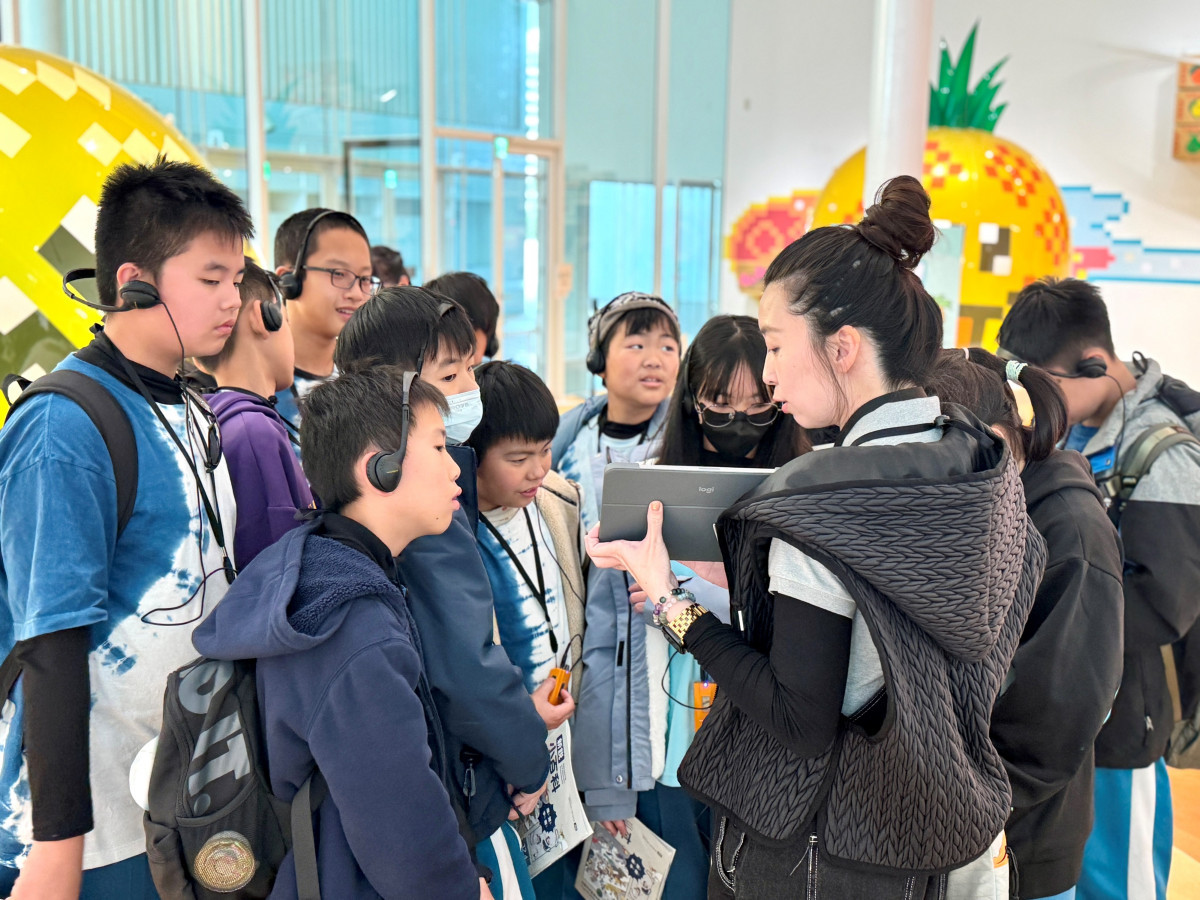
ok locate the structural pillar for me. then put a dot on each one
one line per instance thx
(899, 106)
(257, 191)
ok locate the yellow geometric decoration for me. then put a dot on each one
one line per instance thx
(1015, 224)
(63, 128)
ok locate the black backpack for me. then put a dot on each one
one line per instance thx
(214, 829)
(106, 414)
(1183, 749)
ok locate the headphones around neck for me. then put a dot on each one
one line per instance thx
(604, 319)
(384, 469)
(292, 283)
(133, 294)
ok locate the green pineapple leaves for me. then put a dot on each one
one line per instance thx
(951, 101)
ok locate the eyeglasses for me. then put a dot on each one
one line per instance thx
(719, 415)
(340, 278)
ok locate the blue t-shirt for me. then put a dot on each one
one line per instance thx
(1079, 436)
(61, 567)
(287, 402)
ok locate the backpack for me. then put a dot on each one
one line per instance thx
(213, 827)
(106, 414)
(1183, 748)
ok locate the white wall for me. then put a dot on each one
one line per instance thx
(1091, 92)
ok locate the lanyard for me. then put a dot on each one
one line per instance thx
(212, 450)
(539, 592)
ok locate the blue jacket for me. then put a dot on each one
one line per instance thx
(341, 686)
(611, 737)
(494, 735)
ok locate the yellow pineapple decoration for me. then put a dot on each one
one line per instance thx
(1015, 227)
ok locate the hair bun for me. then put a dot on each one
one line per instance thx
(898, 223)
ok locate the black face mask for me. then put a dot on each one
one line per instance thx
(737, 439)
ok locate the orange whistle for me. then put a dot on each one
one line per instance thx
(560, 677)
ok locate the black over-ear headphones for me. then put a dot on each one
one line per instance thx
(272, 310)
(133, 294)
(292, 283)
(603, 320)
(385, 469)
(1088, 367)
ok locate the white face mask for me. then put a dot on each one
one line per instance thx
(466, 412)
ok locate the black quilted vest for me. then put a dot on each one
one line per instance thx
(933, 543)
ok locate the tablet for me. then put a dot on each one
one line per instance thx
(693, 498)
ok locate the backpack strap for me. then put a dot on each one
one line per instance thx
(1136, 462)
(304, 842)
(106, 414)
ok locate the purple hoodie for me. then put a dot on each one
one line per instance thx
(268, 483)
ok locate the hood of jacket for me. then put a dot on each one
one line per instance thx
(1062, 470)
(939, 529)
(253, 621)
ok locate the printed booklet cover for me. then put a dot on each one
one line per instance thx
(624, 868)
(559, 824)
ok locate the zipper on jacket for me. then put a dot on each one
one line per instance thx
(629, 692)
(728, 876)
(811, 890)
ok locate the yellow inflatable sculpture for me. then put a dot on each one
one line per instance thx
(63, 128)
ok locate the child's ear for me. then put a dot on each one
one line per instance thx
(252, 312)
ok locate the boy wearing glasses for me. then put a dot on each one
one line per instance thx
(329, 257)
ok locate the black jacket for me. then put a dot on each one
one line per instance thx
(1063, 677)
(932, 542)
(490, 723)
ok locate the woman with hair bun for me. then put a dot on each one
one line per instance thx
(878, 589)
(1067, 669)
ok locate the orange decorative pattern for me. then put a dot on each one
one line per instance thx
(762, 231)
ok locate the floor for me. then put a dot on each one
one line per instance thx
(1185, 865)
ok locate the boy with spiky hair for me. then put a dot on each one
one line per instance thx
(324, 259)
(93, 616)
(1063, 327)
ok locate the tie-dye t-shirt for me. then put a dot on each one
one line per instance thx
(61, 567)
(525, 628)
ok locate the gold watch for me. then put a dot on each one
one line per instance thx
(677, 628)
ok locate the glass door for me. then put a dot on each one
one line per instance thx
(495, 211)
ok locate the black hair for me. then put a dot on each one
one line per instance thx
(720, 350)
(516, 404)
(256, 285)
(1054, 320)
(360, 410)
(401, 326)
(474, 295)
(862, 276)
(151, 213)
(980, 383)
(387, 265)
(290, 235)
(642, 320)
